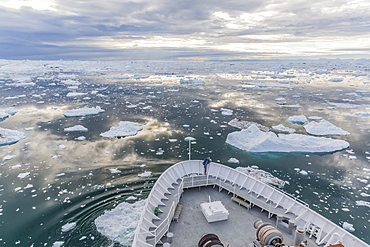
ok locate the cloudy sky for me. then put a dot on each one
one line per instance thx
(189, 30)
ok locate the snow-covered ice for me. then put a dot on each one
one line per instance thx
(192, 81)
(76, 128)
(233, 160)
(85, 111)
(120, 223)
(324, 128)
(8, 136)
(241, 124)
(125, 128)
(300, 119)
(255, 140)
(349, 227)
(145, 174)
(283, 128)
(69, 226)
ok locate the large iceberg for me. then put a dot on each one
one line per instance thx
(125, 128)
(255, 140)
(85, 111)
(8, 136)
(324, 128)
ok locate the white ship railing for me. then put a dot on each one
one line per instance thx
(189, 174)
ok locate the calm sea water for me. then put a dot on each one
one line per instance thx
(71, 181)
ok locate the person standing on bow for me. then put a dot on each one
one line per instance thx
(205, 164)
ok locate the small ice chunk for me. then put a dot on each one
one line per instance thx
(69, 226)
(145, 174)
(131, 198)
(80, 138)
(303, 172)
(62, 146)
(114, 170)
(23, 175)
(300, 119)
(233, 160)
(9, 157)
(81, 112)
(172, 140)
(349, 227)
(125, 128)
(76, 128)
(58, 244)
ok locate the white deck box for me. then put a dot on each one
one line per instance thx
(214, 211)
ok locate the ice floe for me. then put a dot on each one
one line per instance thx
(69, 226)
(241, 124)
(85, 111)
(125, 128)
(8, 136)
(349, 227)
(120, 223)
(255, 140)
(76, 128)
(324, 128)
(233, 160)
(145, 174)
(300, 119)
(191, 81)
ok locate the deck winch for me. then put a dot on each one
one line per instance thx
(210, 240)
(268, 235)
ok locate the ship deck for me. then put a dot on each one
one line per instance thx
(236, 231)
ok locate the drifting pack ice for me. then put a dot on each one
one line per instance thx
(255, 140)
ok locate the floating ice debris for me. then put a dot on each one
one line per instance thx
(345, 209)
(69, 226)
(28, 128)
(266, 84)
(363, 203)
(76, 128)
(191, 81)
(120, 223)
(76, 94)
(62, 146)
(365, 194)
(172, 140)
(303, 172)
(315, 118)
(125, 128)
(131, 198)
(301, 119)
(143, 165)
(241, 124)
(8, 136)
(58, 244)
(233, 160)
(324, 128)
(9, 157)
(352, 157)
(262, 175)
(283, 128)
(145, 174)
(114, 170)
(23, 175)
(336, 79)
(255, 140)
(80, 138)
(28, 186)
(226, 112)
(81, 112)
(349, 227)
